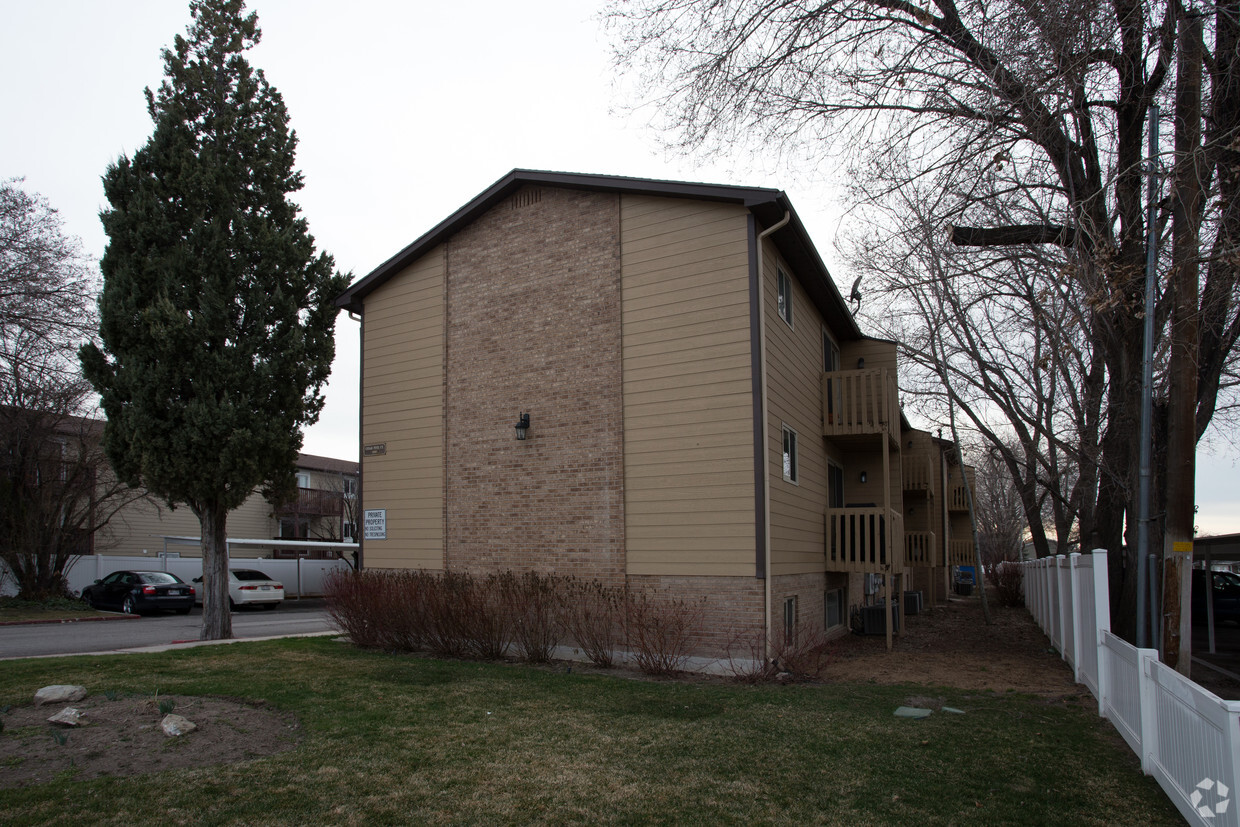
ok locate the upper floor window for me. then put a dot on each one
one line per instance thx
(830, 353)
(783, 291)
(303, 480)
(790, 454)
(350, 486)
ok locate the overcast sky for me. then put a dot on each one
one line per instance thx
(404, 111)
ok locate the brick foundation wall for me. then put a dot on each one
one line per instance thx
(533, 304)
(731, 609)
(808, 590)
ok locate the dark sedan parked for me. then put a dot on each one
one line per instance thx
(135, 592)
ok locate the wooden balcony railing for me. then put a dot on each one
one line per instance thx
(960, 553)
(918, 474)
(957, 500)
(858, 402)
(313, 502)
(919, 548)
(863, 540)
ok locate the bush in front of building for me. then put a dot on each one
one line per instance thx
(460, 615)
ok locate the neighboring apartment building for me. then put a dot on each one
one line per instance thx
(323, 509)
(705, 417)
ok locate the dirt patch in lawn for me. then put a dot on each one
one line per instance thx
(951, 645)
(123, 737)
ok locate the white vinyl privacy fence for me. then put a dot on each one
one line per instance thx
(1186, 737)
(301, 578)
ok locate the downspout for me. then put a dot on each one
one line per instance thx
(766, 426)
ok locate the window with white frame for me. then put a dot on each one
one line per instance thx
(348, 532)
(790, 454)
(303, 480)
(350, 486)
(783, 293)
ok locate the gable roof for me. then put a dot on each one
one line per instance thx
(312, 462)
(767, 205)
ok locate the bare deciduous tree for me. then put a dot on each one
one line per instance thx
(56, 488)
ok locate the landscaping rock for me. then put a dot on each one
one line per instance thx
(68, 717)
(61, 693)
(175, 725)
(912, 712)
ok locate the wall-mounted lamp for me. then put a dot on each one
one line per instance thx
(861, 363)
(522, 426)
(863, 476)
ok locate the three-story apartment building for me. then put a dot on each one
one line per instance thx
(649, 383)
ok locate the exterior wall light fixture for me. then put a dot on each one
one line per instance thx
(863, 476)
(523, 425)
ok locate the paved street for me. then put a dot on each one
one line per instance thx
(294, 617)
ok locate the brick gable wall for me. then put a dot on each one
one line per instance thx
(533, 309)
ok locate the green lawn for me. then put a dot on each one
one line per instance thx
(403, 740)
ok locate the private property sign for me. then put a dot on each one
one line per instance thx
(374, 524)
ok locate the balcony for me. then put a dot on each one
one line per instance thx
(919, 548)
(960, 553)
(863, 540)
(918, 474)
(859, 403)
(957, 499)
(313, 502)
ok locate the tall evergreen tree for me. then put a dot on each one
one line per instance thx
(216, 313)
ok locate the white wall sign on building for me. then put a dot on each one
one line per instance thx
(374, 524)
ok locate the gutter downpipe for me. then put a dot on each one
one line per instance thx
(766, 426)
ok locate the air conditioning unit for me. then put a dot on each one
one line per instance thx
(912, 602)
(872, 619)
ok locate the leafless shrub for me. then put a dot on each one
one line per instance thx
(1008, 579)
(745, 655)
(351, 598)
(800, 655)
(660, 631)
(534, 604)
(593, 615)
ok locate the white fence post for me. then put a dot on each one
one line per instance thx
(1102, 619)
(1077, 615)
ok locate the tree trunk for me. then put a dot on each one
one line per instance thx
(1182, 401)
(216, 615)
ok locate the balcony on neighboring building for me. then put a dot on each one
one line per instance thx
(312, 502)
(863, 540)
(857, 403)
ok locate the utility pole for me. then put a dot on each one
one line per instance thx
(1144, 492)
(1182, 402)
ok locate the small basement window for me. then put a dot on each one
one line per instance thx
(834, 607)
(790, 621)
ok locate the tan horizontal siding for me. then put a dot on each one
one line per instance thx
(688, 452)
(794, 398)
(402, 407)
